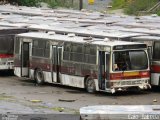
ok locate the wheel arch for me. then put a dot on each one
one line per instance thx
(85, 80)
(35, 75)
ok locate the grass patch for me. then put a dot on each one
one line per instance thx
(51, 3)
(118, 4)
(61, 3)
(139, 5)
(68, 110)
(133, 7)
(158, 12)
(5, 97)
(60, 109)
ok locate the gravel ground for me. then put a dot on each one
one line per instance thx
(19, 95)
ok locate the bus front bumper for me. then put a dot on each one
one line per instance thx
(126, 85)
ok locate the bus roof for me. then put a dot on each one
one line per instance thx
(75, 39)
(146, 38)
(88, 31)
(11, 30)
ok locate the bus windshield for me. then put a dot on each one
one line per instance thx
(130, 60)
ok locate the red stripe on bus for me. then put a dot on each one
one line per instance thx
(6, 55)
(155, 68)
(122, 76)
(85, 72)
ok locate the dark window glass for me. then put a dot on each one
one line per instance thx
(90, 54)
(38, 52)
(138, 60)
(6, 44)
(67, 50)
(80, 53)
(90, 59)
(77, 48)
(67, 47)
(41, 48)
(87, 50)
(156, 50)
(93, 50)
(35, 43)
(66, 55)
(41, 44)
(150, 52)
(130, 60)
(76, 57)
(46, 53)
(17, 45)
(47, 45)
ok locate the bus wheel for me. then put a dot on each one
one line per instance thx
(39, 77)
(90, 85)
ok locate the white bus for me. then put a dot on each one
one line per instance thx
(91, 63)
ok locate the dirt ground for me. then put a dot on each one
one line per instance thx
(22, 96)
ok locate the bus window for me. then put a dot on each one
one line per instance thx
(37, 49)
(47, 50)
(129, 60)
(121, 59)
(138, 60)
(156, 51)
(17, 45)
(67, 50)
(76, 53)
(90, 54)
(40, 48)
(6, 46)
(150, 52)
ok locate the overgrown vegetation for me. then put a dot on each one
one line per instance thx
(118, 4)
(24, 2)
(133, 7)
(51, 3)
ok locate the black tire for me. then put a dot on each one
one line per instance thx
(90, 86)
(39, 77)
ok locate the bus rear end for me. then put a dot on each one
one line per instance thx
(155, 64)
(130, 68)
(7, 35)
(6, 52)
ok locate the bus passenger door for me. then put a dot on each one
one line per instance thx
(107, 65)
(59, 64)
(25, 59)
(101, 70)
(56, 63)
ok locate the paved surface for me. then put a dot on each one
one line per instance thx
(19, 95)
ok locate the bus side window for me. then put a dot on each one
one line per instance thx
(47, 50)
(90, 54)
(76, 53)
(107, 65)
(150, 54)
(67, 50)
(17, 45)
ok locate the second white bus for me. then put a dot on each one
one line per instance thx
(91, 63)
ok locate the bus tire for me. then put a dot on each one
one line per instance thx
(90, 85)
(39, 77)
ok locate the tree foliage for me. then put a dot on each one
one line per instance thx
(51, 3)
(133, 7)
